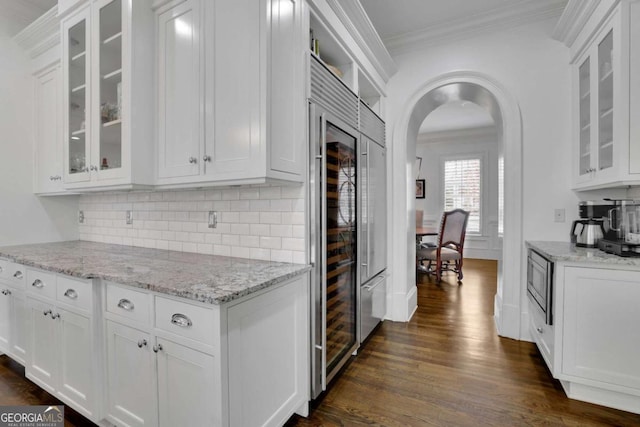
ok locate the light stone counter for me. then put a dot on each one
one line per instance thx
(206, 278)
(565, 252)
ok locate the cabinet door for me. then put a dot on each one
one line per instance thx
(108, 154)
(19, 330)
(601, 340)
(287, 104)
(583, 94)
(76, 66)
(181, 86)
(42, 366)
(186, 386)
(5, 319)
(75, 358)
(233, 137)
(48, 131)
(131, 385)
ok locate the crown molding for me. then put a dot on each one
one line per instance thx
(501, 18)
(459, 135)
(41, 35)
(573, 19)
(355, 19)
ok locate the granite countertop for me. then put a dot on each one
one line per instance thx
(566, 252)
(206, 278)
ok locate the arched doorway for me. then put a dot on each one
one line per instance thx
(484, 91)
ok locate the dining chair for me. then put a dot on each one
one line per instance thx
(447, 255)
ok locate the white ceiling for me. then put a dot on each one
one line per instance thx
(456, 115)
(406, 24)
(17, 14)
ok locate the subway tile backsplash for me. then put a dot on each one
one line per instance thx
(266, 223)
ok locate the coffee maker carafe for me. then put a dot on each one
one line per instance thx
(586, 233)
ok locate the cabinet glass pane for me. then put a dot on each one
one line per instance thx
(77, 96)
(605, 102)
(585, 117)
(111, 85)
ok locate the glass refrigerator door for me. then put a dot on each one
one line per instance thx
(340, 267)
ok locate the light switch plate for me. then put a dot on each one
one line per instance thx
(80, 217)
(558, 215)
(213, 219)
(129, 217)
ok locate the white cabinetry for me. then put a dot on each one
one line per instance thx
(606, 70)
(231, 102)
(12, 311)
(107, 61)
(64, 351)
(48, 167)
(601, 342)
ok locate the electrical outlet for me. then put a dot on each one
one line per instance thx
(129, 217)
(213, 219)
(80, 217)
(558, 215)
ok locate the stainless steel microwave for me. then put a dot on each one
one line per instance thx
(540, 284)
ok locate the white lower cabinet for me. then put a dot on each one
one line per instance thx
(594, 345)
(186, 386)
(64, 356)
(130, 380)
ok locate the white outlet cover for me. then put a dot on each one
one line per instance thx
(558, 215)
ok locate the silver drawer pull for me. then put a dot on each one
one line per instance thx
(6, 292)
(38, 284)
(157, 348)
(181, 320)
(55, 316)
(125, 304)
(71, 293)
(142, 343)
(18, 274)
(47, 312)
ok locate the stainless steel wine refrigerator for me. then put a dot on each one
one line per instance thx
(333, 113)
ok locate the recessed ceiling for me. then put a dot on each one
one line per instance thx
(15, 15)
(456, 115)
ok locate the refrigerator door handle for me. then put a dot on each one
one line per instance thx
(368, 213)
(323, 221)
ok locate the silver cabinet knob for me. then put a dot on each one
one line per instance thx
(193, 160)
(38, 284)
(52, 178)
(181, 320)
(206, 158)
(47, 312)
(55, 316)
(71, 294)
(539, 330)
(125, 304)
(93, 168)
(18, 274)
(142, 343)
(6, 292)
(157, 348)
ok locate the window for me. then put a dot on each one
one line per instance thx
(462, 180)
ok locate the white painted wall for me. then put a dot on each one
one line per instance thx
(434, 150)
(25, 218)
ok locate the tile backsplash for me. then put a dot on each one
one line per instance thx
(266, 223)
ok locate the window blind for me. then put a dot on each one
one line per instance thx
(462, 189)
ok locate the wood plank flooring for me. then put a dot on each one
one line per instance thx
(447, 367)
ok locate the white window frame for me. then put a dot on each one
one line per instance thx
(482, 156)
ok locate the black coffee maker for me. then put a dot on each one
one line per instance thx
(622, 236)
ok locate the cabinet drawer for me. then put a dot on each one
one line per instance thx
(13, 274)
(74, 292)
(542, 334)
(187, 320)
(41, 283)
(128, 303)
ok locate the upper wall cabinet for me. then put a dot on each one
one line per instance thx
(606, 87)
(231, 98)
(107, 62)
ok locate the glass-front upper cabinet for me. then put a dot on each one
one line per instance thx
(596, 75)
(109, 56)
(77, 96)
(109, 86)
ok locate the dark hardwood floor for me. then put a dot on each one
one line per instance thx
(447, 367)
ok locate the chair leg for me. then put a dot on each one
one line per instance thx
(459, 268)
(439, 272)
